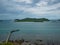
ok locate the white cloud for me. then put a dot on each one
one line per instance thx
(42, 7)
(42, 3)
(41, 10)
(26, 1)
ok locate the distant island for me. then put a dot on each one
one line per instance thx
(31, 20)
(58, 19)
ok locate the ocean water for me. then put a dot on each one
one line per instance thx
(30, 30)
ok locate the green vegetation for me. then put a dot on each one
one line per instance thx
(9, 43)
(31, 20)
(27, 42)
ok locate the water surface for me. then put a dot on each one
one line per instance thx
(30, 30)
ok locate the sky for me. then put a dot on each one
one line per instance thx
(19, 9)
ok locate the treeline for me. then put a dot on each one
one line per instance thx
(31, 20)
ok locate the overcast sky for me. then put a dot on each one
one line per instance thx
(17, 9)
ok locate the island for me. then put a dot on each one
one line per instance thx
(58, 19)
(31, 20)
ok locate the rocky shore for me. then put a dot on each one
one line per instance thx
(25, 42)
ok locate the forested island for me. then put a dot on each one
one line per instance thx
(31, 20)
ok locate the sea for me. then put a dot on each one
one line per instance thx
(30, 30)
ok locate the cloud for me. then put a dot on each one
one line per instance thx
(42, 3)
(26, 1)
(15, 9)
(41, 10)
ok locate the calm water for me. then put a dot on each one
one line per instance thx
(30, 30)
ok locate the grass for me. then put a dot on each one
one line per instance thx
(9, 43)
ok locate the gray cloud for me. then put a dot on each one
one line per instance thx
(10, 9)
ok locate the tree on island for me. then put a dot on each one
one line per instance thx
(31, 20)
